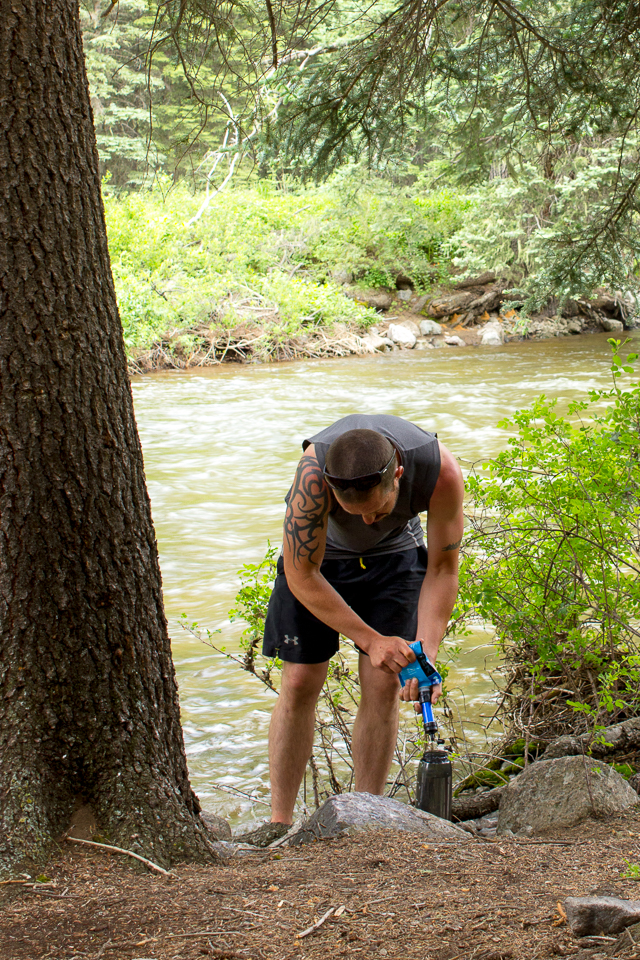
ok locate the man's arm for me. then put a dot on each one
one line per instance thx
(305, 536)
(445, 523)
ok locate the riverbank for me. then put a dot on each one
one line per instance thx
(476, 312)
(403, 900)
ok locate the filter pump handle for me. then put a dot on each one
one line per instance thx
(421, 669)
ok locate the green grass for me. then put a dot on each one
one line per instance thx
(268, 254)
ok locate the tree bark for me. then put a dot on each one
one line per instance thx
(89, 706)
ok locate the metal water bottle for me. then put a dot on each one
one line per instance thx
(433, 788)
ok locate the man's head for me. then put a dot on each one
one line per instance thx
(371, 462)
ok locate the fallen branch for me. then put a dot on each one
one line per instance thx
(128, 853)
(469, 808)
(317, 924)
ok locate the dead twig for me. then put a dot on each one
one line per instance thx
(128, 853)
(316, 926)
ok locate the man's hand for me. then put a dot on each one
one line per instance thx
(390, 654)
(410, 692)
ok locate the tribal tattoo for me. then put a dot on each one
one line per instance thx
(452, 546)
(309, 503)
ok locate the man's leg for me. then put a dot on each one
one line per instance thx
(375, 730)
(291, 734)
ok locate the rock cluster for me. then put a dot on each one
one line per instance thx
(487, 312)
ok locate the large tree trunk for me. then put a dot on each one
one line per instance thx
(88, 699)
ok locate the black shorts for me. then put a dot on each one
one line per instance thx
(384, 594)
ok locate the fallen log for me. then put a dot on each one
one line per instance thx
(479, 805)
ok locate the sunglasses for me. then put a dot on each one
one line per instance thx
(365, 482)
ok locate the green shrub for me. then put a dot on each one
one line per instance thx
(552, 560)
(267, 254)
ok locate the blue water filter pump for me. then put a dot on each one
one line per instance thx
(435, 775)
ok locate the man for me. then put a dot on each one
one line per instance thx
(354, 562)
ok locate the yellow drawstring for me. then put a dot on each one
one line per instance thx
(362, 564)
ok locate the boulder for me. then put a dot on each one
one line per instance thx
(566, 746)
(611, 325)
(452, 303)
(454, 341)
(561, 793)
(429, 328)
(573, 325)
(410, 325)
(341, 276)
(358, 812)
(375, 298)
(626, 942)
(401, 335)
(405, 295)
(216, 826)
(374, 343)
(492, 335)
(600, 916)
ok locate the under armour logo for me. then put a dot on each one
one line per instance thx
(293, 640)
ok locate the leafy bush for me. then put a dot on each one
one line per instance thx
(265, 246)
(552, 560)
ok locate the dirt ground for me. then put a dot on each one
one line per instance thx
(394, 897)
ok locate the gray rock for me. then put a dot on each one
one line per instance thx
(627, 941)
(492, 335)
(410, 325)
(341, 276)
(359, 812)
(598, 916)
(226, 849)
(453, 341)
(405, 295)
(564, 747)
(374, 343)
(611, 325)
(401, 335)
(573, 325)
(216, 826)
(377, 299)
(429, 328)
(561, 793)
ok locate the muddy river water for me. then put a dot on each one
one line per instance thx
(220, 448)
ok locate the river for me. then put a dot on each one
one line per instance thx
(220, 448)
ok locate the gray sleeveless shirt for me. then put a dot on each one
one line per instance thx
(348, 535)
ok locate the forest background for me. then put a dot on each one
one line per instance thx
(257, 163)
(239, 190)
